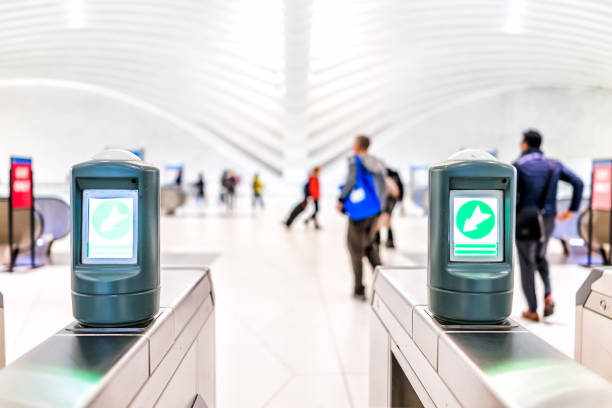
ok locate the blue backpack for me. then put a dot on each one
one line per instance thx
(363, 201)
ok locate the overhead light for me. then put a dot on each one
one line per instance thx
(75, 13)
(514, 17)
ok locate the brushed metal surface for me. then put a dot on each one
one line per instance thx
(207, 382)
(380, 369)
(483, 366)
(154, 387)
(596, 343)
(112, 369)
(600, 303)
(2, 341)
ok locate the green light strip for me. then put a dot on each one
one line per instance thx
(475, 251)
(483, 255)
(476, 245)
(112, 246)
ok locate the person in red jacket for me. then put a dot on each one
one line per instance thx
(315, 194)
(311, 193)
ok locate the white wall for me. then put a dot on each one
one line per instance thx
(576, 125)
(59, 127)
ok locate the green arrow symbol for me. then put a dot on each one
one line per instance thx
(112, 219)
(475, 219)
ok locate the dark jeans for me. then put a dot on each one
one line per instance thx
(315, 212)
(257, 198)
(389, 206)
(361, 242)
(532, 257)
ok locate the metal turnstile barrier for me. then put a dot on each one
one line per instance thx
(415, 361)
(2, 344)
(168, 363)
(593, 340)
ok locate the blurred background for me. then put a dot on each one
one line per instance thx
(213, 92)
(282, 86)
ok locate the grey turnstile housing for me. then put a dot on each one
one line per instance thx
(593, 340)
(417, 362)
(169, 363)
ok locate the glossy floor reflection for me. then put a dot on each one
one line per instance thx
(288, 331)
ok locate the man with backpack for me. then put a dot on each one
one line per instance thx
(536, 209)
(362, 198)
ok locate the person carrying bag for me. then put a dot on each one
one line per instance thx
(362, 198)
(537, 180)
(362, 201)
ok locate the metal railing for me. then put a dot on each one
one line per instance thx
(2, 353)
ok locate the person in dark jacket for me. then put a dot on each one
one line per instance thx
(537, 179)
(314, 193)
(392, 199)
(229, 183)
(200, 186)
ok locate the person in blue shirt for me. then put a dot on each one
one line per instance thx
(537, 179)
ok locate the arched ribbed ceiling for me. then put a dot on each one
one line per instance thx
(378, 66)
(288, 83)
(216, 64)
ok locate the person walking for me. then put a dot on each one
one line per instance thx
(222, 189)
(314, 194)
(257, 185)
(536, 209)
(179, 177)
(362, 198)
(230, 182)
(395, 194)
(200, 186)
(394, 175)
(301, 206)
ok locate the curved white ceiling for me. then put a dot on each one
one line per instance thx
(288, 83)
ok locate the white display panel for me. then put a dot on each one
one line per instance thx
(110, 223)
(477, 226)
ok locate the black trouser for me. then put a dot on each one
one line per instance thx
(297, 210)
(389, 206)
(532, 257)
(315, 212)
(361, 242)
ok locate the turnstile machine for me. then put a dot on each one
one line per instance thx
(168, 363)
(593, 347)
(416, 361)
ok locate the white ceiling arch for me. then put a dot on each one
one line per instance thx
(286, 84)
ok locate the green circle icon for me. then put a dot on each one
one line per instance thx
(475, 219)
(112, 219)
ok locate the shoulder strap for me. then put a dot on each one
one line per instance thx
(542, 200)
(359, 165)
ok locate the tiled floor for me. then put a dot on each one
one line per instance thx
(288, 331)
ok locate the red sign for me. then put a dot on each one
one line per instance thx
(602, 186)
(21, 182)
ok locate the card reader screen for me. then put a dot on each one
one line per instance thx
(477, 226)
(110, 223)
